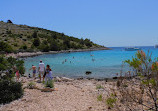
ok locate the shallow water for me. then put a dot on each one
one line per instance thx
(102, 64)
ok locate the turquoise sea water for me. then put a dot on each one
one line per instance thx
(102, 64)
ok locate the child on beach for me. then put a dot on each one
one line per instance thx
(33, 68)
(48, 74)
(17, 75)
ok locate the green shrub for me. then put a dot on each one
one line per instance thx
(110, 102)
(24, 47)
(99, 87)
(20, 66)
(44, 47)
(15, 44)
(54, 46)
(66, 42)
(31, 85)
(29, 37)
(9, 21)
(34, 35)
(54, 36)
(50, 84)
(81, 41)
(5, 47)
(36, 42)
(9, 63)
(9, 91)
(100, 97)
(30, 50)
(88, 43)
(24, 39)
(8, 32)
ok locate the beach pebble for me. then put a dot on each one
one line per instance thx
(58, 79)
(66, 79)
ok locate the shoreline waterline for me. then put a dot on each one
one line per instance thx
(33, 54)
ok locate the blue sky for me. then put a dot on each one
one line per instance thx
(106, 22)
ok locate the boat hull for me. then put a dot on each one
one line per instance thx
(131, 49)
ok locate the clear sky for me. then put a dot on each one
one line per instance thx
(106, 22)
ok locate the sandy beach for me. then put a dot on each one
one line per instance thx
(70, 95)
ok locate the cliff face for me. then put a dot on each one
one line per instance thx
(26, 38)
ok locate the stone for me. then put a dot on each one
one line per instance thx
(58, 79)
(66, 79)
(88, 72)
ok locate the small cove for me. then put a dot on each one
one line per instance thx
(102, 63)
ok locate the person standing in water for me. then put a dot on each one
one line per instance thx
(33, 68)
(41, 69)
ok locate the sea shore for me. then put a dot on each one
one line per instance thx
(69, 95)
(32, 54)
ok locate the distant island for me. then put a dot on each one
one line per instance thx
(22, 38)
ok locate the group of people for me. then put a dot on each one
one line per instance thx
(46, 73)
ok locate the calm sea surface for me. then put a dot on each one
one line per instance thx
(102, 64)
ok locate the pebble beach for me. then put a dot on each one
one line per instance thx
(69, 95)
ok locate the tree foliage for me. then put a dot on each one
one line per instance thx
(36, 42)
(87, 42)
(9, 89)
(9, 21)
(34, 35)
(66, 43)
(4, 47)
(54, 46)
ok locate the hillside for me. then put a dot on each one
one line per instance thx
(23, 38)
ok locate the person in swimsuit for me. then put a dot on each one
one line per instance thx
(33, 68)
